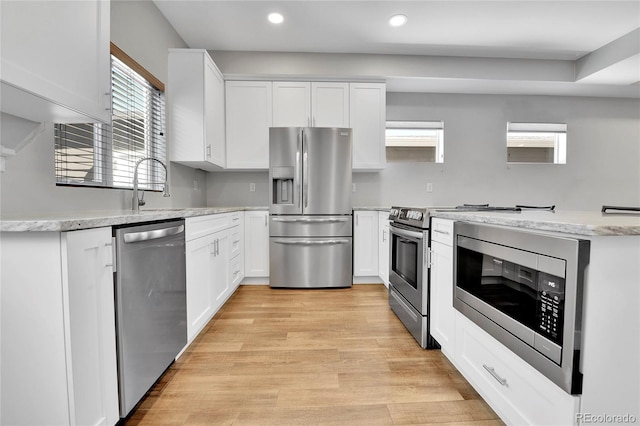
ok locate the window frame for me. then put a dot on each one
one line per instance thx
(555, 131)
(150, 129)
(435, 125)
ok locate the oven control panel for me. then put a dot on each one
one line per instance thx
(412, 216)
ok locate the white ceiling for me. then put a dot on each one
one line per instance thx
(536, 30)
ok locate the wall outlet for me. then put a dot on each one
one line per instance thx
(429, 187)
(354, 187)
(252, 187)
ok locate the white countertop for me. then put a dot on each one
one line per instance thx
(568, 222)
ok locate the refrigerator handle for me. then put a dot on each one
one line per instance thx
(305, 171)
(298, 171)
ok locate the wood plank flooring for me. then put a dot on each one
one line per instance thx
(293, 357)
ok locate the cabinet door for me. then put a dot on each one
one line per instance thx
(33, 350)
(365, 243)
(330, 104)
(367, 117)
(200, 275)
(196, 110)
(249, 116)
(256, 243)
(291, 104)
(214, 126)
(91, 341)
(383, 247)
(59, 52)
(442, 320)
(221, 267)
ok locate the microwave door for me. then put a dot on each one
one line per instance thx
(285, 170)
(326, 165)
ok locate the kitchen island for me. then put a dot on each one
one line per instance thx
(610, 326)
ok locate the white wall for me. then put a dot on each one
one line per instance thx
(28, 184)
(603, 160)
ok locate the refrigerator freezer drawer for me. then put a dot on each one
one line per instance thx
(310, 226)
(310, 262)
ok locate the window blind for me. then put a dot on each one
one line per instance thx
(93, 154)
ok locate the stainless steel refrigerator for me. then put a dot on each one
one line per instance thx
(310, 227)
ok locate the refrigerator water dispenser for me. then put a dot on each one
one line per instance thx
(282, 181)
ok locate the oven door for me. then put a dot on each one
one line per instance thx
(407, 264)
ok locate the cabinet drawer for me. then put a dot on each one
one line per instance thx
(442, 231)
(516, 391)
(236, 241)
(200, 226)
(236, 271)
(236, 218)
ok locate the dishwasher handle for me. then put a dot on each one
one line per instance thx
(135, 237)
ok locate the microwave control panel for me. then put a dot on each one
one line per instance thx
(550, 306)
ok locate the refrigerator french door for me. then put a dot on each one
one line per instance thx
(310, 227)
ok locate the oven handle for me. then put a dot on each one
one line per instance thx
(406, 233)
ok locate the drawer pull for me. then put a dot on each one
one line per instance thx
(492, 371)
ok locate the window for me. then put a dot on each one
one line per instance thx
(100, 155)
(537, 143)
(415, 141)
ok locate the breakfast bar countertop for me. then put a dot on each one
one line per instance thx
(589, 223)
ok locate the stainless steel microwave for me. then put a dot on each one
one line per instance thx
(525, 289)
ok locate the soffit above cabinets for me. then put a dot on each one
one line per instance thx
(574, 48)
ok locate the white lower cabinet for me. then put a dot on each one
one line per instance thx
(58, 354)
(383, 247)
(256, 242)
(214, 265)
(365, 243)
(517, 392)
(442, 312)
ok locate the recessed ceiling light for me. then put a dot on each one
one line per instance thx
(397, 20)
(275, 18)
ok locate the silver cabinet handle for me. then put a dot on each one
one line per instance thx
(112, 265)
(135, 237)
(437, 231)
(495, 375)
(310, 242)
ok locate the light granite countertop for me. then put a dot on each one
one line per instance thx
(568, 222)
(71, 221)
(589, 223)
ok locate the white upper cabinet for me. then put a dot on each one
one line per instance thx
(248, 118)
(310, 104)
(368, 115)
(330, 104)
(291, 104)
(196, 110)
(55, 60)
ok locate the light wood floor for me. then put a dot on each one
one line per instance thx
(276, 357)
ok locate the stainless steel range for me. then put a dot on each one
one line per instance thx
(409, 271)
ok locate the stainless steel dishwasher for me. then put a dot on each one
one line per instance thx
(151, 310)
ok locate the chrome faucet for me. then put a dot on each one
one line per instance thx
(135, 201)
